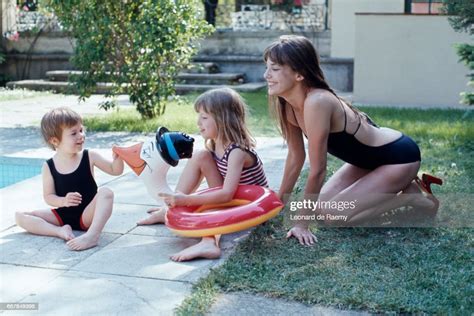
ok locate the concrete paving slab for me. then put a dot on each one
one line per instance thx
(145, 256)
(23, 196)
(129, 189)
(21, 282)
(256, 305)
(79, 293)
(124, 218)
(157, 230)
(19, 247)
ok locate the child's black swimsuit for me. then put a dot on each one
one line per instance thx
(80, 180)
(348, 148)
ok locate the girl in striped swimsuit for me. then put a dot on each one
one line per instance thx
(228, 160)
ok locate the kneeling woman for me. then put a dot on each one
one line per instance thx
(379, 161)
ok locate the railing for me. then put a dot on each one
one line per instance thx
(21, 18)
(253, 17)
(290, 15)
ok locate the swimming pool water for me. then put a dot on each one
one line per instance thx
(13, 170)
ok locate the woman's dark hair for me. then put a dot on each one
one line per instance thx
(299, 54)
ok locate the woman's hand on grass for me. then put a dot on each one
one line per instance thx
(304, 236)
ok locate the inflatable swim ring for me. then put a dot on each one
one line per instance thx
(251, 206)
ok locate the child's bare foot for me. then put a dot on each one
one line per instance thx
(65, 232)
(206, 248)
(157, 217)
(83, 242)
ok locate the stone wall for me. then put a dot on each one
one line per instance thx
(234, 51)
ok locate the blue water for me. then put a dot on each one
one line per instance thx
(13, 170)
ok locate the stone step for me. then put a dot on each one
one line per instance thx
(244, 87)
(218, 78)
(204, 67)
(61, 75)
(186, 77)
(102, 88)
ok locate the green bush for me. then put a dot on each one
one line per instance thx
(138, 46)
(462, 20)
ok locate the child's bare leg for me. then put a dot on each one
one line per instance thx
(200, 165)
(96, 215)
(207, 248)
(156, 217)
(43, 223)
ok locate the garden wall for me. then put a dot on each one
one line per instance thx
(407, 60)
(343, 21)
(234, 51)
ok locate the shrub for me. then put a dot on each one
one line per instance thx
(462, 20)
(138, 46)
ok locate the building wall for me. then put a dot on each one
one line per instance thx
(407, 60)
(343, 21)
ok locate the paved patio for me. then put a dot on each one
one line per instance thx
(130, 271)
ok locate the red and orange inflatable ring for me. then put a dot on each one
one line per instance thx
(251, 206)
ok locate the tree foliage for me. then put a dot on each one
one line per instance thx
(462, 20)
(138, 46)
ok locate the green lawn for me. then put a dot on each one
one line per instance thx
(180, 115)
(384, 270)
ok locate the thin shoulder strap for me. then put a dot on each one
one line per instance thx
(52, 167)
(358, 126)
(231, 147)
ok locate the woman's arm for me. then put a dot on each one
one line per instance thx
(114, 167)
(317, 118)
(235, 165)
(294, 161)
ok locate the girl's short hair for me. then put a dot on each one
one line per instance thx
(229, 111)
(53, 123)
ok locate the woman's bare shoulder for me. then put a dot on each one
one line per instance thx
(321, 99)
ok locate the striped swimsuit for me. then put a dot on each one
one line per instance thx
(250, 175)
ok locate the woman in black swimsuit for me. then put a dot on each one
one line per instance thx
(380, 162)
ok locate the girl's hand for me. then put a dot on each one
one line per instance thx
(72, 199)
(173, 200)
(304, 236)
